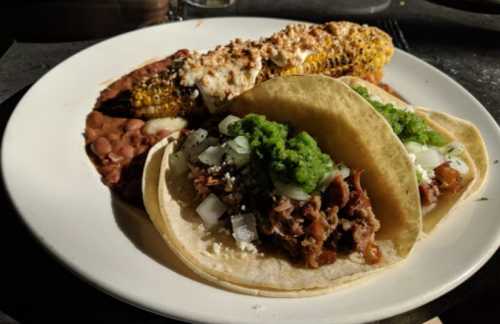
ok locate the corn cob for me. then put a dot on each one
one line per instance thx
(334, 49)
(363, 53)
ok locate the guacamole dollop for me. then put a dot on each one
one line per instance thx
(406, 124)
(297, 160)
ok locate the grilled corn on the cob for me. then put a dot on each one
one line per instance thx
(196, 80)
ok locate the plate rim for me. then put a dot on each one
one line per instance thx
(122, 295)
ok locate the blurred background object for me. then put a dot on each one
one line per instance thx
(482, 6)
(210, 3)
(72, 20)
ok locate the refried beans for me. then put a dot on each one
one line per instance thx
(118, 146)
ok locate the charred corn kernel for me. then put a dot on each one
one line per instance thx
(334, 49)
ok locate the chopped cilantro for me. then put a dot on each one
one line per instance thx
(406, 124)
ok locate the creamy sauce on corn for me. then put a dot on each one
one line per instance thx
(229, 70)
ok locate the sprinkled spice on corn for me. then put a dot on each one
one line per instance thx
(211, 79)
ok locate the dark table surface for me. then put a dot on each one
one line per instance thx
(35, 288)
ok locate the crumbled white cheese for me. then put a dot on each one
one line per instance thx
(409, 108)
(424, 174)
(247, 246)
(286, 58)
(214, 169)
(357, 257)
(227, 71)
(216, 248)
(427, 209)
(153, 126)
(221, 77)
(224, 230)
(228, 178)
(413, 157)
(459, 165)
(194, 94)
(453, 149)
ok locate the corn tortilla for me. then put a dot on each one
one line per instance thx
(336, 117)
(451, 129)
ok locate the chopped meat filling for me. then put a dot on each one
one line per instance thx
(446, 180)
(429, 193)
(313, 232)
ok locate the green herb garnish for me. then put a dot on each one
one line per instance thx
(406, 124)
(296, 160)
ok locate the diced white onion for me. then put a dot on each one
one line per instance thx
(193, 154)
(212, 155)
(414, 147)
(224, 124)
(178, 162)
(459, 165)
(244, 227)
(236, 158)
(344, 171)
(194, 139)
(240, 145)
(210, 210)
(193, 146)
(291, 191)
(429, 159)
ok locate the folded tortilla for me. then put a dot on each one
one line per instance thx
(451, 129)
(350, 133)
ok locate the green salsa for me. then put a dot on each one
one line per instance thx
(406, 124)
(296, 160)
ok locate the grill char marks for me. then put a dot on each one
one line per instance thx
(116, 99)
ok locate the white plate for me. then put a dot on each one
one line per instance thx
(59, 195)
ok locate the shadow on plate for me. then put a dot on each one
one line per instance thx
(135, 224)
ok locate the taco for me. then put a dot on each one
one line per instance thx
(282, 195)
(449, 153)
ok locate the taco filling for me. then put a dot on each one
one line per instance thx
(274, 190)
(438, 164)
